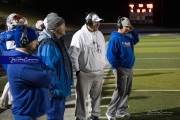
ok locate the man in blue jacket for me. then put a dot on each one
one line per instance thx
(28, 77)
(53, 52)
(120, 55)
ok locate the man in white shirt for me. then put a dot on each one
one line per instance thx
(87, 50)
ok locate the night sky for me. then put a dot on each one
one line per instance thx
(165, 12)
(75, 11)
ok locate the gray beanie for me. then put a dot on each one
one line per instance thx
(53, 21)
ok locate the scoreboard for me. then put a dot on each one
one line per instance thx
(141, 13)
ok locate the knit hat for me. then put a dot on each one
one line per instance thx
(28, 32)
(53, 21)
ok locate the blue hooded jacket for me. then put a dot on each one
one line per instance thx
(29, 85)
(53, 56)
(120, 50)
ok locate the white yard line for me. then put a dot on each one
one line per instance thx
(160, 69)
(157, 58)
(148, 90)
(156, 90)
(109, 97)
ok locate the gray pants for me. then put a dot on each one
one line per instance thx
(88, 84)
(119, 100)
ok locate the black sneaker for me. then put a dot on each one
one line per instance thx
(94, 118)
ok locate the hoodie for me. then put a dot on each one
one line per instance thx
(120, 51)
(29, 85)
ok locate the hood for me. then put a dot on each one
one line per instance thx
(115, 33)
(43, 35)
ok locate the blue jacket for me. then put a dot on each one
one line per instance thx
(120, 50)
(4, 37)
(29, 85)
(51, 52)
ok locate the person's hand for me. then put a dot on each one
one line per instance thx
(44, 66)
(131, 28)
(57, 94)
(77, 73)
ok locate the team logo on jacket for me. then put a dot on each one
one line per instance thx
(9, 37)
(126, 44)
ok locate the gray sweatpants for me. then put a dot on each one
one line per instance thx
(88, 84)
(119, 100)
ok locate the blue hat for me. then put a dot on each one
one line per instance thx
(29, 32)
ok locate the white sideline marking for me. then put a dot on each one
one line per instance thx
(161, 34)
(109, 97)
(157, 58)
(160, 69)
(156, 90)
(150, 90)
(106, 97)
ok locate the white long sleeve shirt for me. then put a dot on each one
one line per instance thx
(88, 50)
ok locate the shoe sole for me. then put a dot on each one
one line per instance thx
(109, 117)
(123, 116)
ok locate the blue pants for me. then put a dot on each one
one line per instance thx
(57, 109)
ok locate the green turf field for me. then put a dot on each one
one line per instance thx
(156, 85)
(156, 91)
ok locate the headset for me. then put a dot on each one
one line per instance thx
(24, 39)
(89, 18)
(119, 22)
